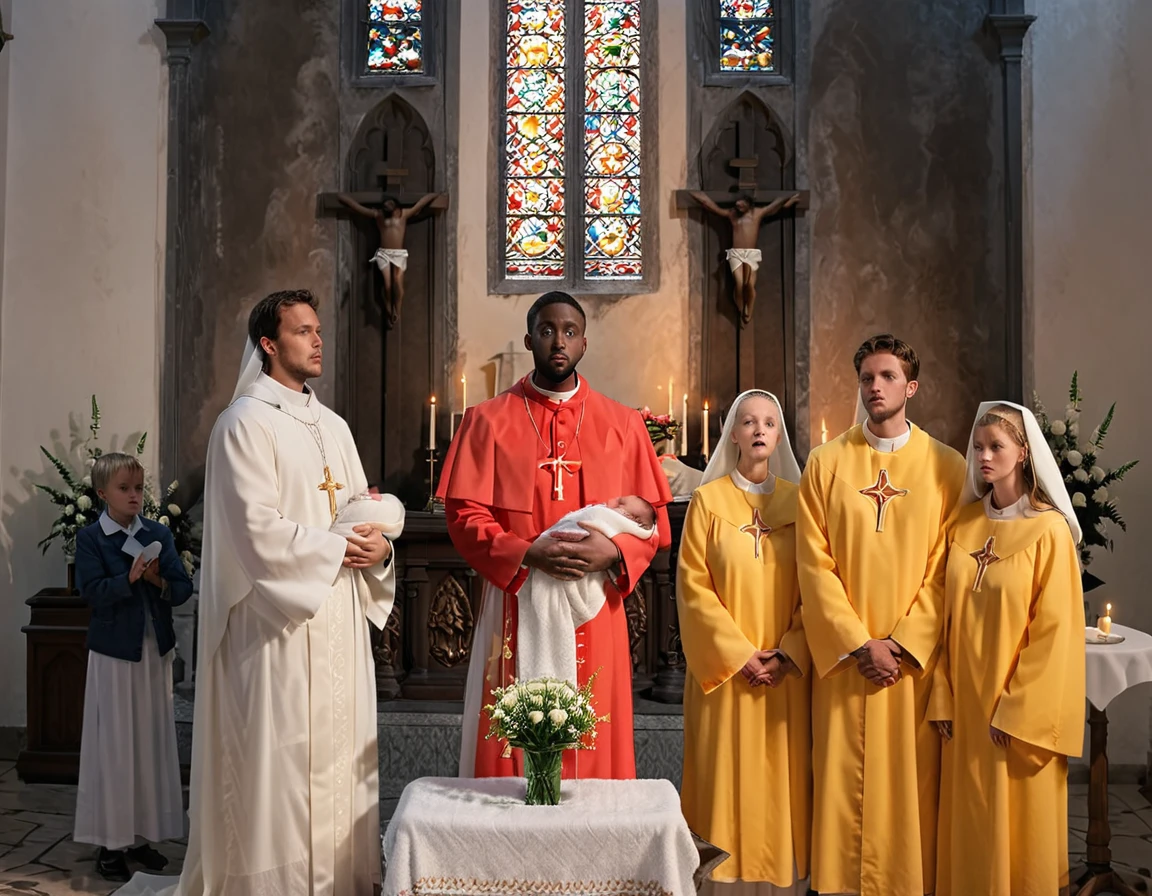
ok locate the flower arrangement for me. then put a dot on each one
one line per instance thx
(1087, 481)
(661, 427)
(543, 717)
(81, 506)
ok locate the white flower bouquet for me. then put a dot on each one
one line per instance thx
(1087, 481)
(543, 717)
(80, 505)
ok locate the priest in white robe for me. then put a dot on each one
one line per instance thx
(284, 789)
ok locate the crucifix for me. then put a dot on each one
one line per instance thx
(757, 530)
(984, 558)
(560, 466)
(331, 486)
(883, 492)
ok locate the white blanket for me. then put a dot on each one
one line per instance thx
(383, 512)
(551, 610)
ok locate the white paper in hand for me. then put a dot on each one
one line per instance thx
(150, 552)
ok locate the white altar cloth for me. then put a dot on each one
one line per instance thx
(464, 836)
(1113, 668)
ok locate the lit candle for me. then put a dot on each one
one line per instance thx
(1105, 623)
(432, 424)
(684, 428)
(464, 390)
(669, 396)
(705, 430)
(823, 431)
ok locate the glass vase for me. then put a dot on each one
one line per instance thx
(542, 776)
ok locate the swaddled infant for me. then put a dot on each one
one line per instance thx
(550, 610)
(384, 513)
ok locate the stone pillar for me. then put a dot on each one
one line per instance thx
(1007, 20)
(183, 28)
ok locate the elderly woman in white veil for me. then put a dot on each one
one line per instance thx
(1008, 693)
(747, 740)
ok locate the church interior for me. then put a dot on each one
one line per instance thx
(970, 175)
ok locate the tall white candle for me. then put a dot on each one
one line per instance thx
(705, 430)
(669, 396)
(432, 423)
(464, 390)
(684, 427)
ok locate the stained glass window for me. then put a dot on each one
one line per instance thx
(572, 132)
(747, 36)
(395, 38)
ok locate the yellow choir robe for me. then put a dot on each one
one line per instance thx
(1013, 658)
(871, 548)
(747, 767)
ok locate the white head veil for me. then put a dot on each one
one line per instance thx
(251, 366)
(781, 464)
(1044, 466)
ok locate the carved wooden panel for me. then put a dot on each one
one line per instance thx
(450, 623)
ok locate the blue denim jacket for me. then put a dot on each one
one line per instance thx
(120, 609)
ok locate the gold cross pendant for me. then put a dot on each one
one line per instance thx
(984, 558)
(560, 466)
(757, 530)
(331, 486)
(882, 493)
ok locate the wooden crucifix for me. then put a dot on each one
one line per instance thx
(749, 208)
(391, 209)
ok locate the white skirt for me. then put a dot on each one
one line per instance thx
(129, 764)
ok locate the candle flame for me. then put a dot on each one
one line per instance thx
(1108, 612)
(685, 396)
(463, 379)
(823, 430)
(433, 399)
(705, 405)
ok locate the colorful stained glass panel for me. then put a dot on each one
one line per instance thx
(527, 196)
(535, 90)
(395, 48)
(535, 146)
(612, 195)
(745, 9)
(612, 90)
(612, 145)
(746, 48)
(393, 10)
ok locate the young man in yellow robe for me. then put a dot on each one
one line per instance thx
(747, 783)
(1008, 694)
(870, 546)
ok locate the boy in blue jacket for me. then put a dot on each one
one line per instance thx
(129, 573)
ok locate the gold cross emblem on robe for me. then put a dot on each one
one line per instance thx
(984, 558)
(757, 530)
(560, 466)
(882, 493)
(331, 486)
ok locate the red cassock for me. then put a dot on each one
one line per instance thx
(504, 482)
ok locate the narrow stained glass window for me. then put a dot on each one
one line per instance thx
(747, 36)
(395, 39)
(572, 141)
(535, 109)
(612, 140)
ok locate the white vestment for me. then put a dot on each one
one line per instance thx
(550, 609)
(284, 792)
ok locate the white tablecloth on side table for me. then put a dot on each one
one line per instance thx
(464, 836)
(1113, 668)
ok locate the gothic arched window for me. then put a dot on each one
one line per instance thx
(571, 145)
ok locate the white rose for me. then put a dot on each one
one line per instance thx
(84, 502)
(79, 516)
(558, 717)
(174, 510)
(509, 699)
(1078, 500)
(163, 521)
(536, 686)
(1080, 475)
(1100, 496)
(535, 717)
(1098, 474)
(1075, 458)
(498, 713)
(1058, 428)
(69, 510)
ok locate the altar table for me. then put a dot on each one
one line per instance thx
(464, 836)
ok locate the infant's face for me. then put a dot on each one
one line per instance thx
(634, 508)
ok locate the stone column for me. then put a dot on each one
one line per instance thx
(1007, 20)
(183, 28)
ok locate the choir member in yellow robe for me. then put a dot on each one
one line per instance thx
(1008, 693)
(870, 546)
(747, 742)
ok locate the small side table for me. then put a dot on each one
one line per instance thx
(1110, 670)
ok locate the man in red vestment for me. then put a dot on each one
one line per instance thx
(519, 462)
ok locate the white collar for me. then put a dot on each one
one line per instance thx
(756, 488)
(555, 396)
(284, 394)
(1021, 509)
(109, 526)
(887, 446)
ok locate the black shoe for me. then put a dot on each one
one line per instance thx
(148, 857)
(111, 865)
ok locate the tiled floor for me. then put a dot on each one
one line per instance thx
(38, 857)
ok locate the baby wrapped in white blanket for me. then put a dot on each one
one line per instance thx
(382, 512)
(550, 610)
